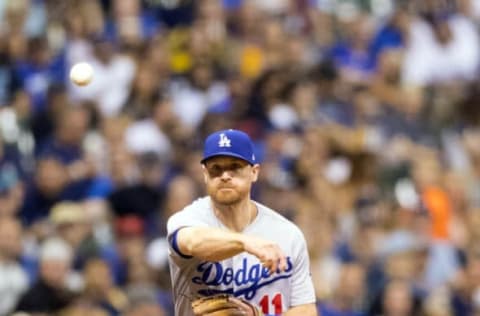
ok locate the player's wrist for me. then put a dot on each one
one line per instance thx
(243, 241)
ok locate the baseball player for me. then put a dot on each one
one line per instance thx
(230, 255)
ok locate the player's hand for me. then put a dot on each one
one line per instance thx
(269, 253)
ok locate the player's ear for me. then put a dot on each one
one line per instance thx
(255, 172)
(205, 173)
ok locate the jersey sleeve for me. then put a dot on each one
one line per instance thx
(184, 219)
(302, 284)
(179, 220)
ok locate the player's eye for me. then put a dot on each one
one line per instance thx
(236, 167)
(215, 171)
(218, 170)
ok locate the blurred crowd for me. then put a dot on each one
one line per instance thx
(365, 115)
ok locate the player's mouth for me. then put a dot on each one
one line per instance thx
(226, 189)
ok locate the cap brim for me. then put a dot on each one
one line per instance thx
(229, 154)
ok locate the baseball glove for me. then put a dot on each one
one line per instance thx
(223, 305)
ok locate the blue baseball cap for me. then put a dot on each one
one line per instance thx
(230, 142)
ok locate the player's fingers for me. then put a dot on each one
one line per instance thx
(269, 264)
(273, 265)
(266, 263)
(274, 260)
(282, 265)
(273, 269)
(279, 262)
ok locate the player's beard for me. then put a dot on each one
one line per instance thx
(225, 196)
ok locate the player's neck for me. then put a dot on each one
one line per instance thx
(236, 217)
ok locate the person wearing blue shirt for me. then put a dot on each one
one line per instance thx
(40, 70)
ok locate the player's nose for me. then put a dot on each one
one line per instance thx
(225, 175)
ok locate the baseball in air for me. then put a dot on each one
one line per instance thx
(81, 74)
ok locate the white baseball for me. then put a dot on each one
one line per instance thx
(81, 73)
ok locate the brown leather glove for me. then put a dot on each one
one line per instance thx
(223, 305)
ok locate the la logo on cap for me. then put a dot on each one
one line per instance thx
(224, 141)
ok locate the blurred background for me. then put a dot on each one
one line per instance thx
(365, 115)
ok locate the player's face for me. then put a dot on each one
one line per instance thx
(229, 179)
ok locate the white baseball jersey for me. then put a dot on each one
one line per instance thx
(242, 275)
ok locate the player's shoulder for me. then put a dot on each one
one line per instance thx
(275, 218)
(197, 209)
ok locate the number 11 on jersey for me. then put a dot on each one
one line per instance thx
(275, 302)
